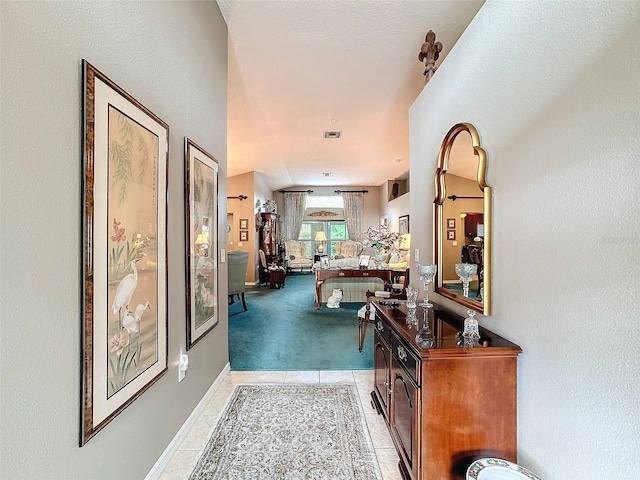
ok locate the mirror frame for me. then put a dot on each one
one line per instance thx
(483, 307)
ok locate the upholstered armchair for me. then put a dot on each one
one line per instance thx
(237, 271)
(348, 249)
(295, 256)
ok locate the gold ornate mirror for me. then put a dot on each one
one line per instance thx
(462, 220)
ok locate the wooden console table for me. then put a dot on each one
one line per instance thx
(445, 405)
(364, 274)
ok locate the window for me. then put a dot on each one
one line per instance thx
(336, 231)
(320, 201)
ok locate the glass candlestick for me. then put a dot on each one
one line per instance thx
(466, 271)
(426, 274)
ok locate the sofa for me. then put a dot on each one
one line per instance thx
(295, 257)
(347, 255)
(352, 290)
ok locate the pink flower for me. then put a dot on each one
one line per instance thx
(380, 238)
(118, 342)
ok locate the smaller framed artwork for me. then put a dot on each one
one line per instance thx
(403, 224)
(451, 234)
(364, 261)
(384, 221)
(244, 236)
(201, 239)
(244, 224)
(324, 262)
(451, 223)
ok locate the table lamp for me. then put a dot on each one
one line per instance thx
(321, 237)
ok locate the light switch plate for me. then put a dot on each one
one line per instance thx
(417, 255)
(223, 255)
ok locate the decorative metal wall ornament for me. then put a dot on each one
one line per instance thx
(323, 213)
(429, 53)
(125, 322)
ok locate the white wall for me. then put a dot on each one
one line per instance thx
(553, 89)
(172, 57)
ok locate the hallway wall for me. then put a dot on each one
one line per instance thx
(553, 90)
(172, 57)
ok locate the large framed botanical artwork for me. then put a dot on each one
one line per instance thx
(201, 240)
(124, 324)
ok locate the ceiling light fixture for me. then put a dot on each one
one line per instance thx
(332, 134)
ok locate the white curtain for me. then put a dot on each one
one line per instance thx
(294, 204)
(353, 205)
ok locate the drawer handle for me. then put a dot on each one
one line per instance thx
(365, 274)
(402, 353)
(341, 274)
(380, 326)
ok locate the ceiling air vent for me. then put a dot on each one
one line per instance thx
(332, 134)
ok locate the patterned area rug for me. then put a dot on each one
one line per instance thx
(290, 431)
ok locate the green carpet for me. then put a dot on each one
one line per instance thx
(282, 330)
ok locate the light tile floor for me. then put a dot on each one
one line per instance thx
(182, 463)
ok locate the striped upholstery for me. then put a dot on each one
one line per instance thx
(352, 290)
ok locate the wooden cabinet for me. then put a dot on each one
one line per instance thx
(447, 405)
(270, 236)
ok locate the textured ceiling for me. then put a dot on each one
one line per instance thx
(299, 68)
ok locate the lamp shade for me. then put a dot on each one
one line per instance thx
(202, 239)
(320, 237)
(405, 242)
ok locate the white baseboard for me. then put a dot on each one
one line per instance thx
(174, 445)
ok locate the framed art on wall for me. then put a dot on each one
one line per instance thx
(244, 236)
(201, 239)
(451, 234)
(451, 223)
(403, 225)
(244, 224)
(124, 321)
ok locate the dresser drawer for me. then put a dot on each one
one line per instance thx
(362, 273)
(383, 329)
(405, 357)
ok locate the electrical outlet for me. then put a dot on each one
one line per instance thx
(417, 255)
(182, 367)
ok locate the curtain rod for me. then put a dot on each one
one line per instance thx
(351, 191)
(240, 197)
(455, 197)
(295, 191)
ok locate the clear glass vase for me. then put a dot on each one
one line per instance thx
(466, 271)
(426, 273)
(471, 333)
(425, 337)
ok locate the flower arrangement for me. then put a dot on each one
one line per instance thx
(380, 238)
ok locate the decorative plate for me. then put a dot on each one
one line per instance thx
(498, 469)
